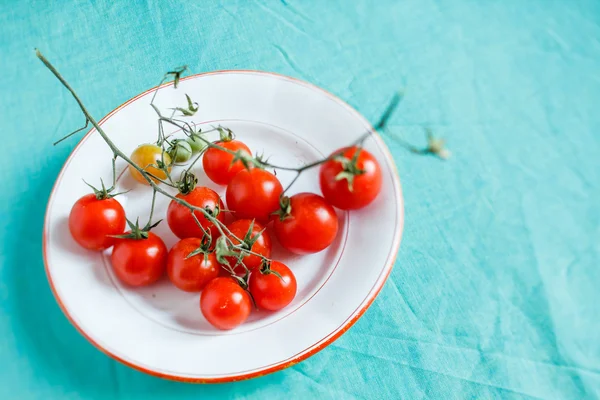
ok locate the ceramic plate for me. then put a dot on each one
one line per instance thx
(159, 329)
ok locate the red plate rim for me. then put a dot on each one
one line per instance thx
(306, 353)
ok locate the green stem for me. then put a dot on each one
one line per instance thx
(114, 173)
(151, 209)
(119, 153)
(87, 122)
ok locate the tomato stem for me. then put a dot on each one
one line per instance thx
(87, 122)
(117, 152)
(149, 224)
(146, 175)
(114, 173)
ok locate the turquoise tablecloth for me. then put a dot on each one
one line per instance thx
(495, 290)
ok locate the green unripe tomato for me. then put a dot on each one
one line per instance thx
(196, 143)
(180, 151)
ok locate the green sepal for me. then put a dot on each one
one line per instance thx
(243, 281)
(204, 247)
(104, 193)
(222, 250)
(285, 208)
(436, 146)
(265, 269)
(249, 239)
(245, 158)
(148, 228)
(190, 110)
(225, 134)
(177, 72)
(136, 233)
(192, 106)
(187, 183)
(350, 168)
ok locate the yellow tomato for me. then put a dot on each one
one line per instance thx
(144, 157)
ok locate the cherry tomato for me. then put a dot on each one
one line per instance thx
(91, 221)
(180, 218)
(146, 155)
(196, 143)
(219, 165)
(180, 151)
(261, 242)
(272, 292)
(191, 274)
(253, 194)
(139, 262)
(310, 226)
(365, 185)
(224, 303)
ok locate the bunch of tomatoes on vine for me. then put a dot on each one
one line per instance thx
(229, 264)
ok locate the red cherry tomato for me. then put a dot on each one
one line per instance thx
(254, 194)
(91, 221)
(310, 227)
(139, 262)
(365, 186)
(219, 165)
(191, 274)
(261, 242)
(272, 292)
(224, 303)
(182, 222)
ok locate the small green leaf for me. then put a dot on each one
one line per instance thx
(348, 176)
(119, 193)
(225, 134)
(199, 250)
(277, 274)
(242, 281)
(222, 250)
(190, 110)
(191, 105)
(265, 269)
(187, 182)
(248, 235)
(154, 225)
(255, 238)
(177, 72)
(246, 159)
(350, 168)
(102, 194)
(285, 208)
(132, 226)
(436, 146)
(185, 112)
(136, 233)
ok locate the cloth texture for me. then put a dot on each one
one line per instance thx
(494, 294)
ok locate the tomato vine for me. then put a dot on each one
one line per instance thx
(225, 245)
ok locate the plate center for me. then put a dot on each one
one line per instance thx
(170, 307)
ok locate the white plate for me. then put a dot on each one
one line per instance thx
(159, 329)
